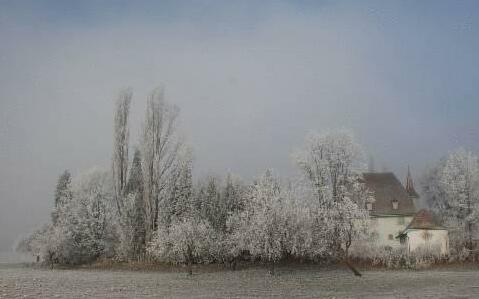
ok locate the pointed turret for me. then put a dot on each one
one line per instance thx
(410, 185)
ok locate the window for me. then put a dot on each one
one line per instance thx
(391, 237)
(395, 204)
(401, 221)
(369, 206)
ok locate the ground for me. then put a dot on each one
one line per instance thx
(312, 282)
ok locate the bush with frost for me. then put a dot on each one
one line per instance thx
(185, 241)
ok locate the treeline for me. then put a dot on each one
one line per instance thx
(150, 207)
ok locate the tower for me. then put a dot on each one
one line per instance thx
(410, 185)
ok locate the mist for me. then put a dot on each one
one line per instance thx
(251, 80)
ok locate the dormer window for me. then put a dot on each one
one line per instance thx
(369, 206)
(395, 204)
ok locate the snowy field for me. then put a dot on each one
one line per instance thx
(20, 282)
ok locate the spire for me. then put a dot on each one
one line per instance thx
(410, 184)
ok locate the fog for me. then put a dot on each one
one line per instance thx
(251, 79)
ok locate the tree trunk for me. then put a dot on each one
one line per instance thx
(471, 246)
(345, 259)
(351, 267)
(155, 218)
(271, 269)
(233, 265)
(50, 257)
(190, 268)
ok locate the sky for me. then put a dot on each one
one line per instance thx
(252, 79)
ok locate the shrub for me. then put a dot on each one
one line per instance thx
(396, 258)
(186, 241)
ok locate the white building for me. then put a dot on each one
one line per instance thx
(392, 208)
(424, 232)
(394, 219)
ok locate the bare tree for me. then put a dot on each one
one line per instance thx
(160, 146)
(120, 147)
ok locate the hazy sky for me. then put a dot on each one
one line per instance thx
(252, 78)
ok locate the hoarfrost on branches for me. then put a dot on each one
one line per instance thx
(132, 221)
(452, 190)
(83, 230)
(262, 228)
(159, 146)
(178, 198)
(152, 206)
(63, 194)
(185, 241)
(332, 163)
(120, 147)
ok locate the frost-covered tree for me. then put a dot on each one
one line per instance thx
(94, 195)
(33, 243)
(63, 194)
(332, 163)
(128, 245)
(186, 241)
(433, 193)
(159, 146)
(83, 232)
(84, 225)
(133, 227)
(209, 202)
(232, 195)
(218, 199)
(53, 245)
(298, 213)
(120, 147)
(452, 190)
(460, 180)
(261, 228)
(46, 243)
(183, 186)
(177, 201)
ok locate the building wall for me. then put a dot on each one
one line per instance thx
(416, 238)
(386, 227)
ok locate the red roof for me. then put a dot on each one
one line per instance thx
(424, 219)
